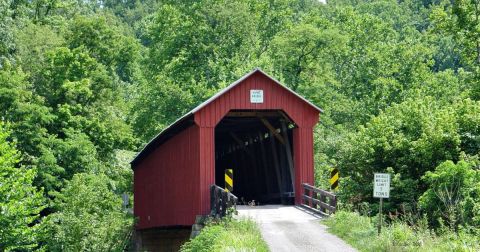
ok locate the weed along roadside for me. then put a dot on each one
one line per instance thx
(399, 235)
(227, 234)
(222, 230)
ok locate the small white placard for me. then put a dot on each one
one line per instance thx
(381, 185)
(256, 96)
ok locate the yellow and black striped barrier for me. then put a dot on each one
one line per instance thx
(334, 174)
(229, 180)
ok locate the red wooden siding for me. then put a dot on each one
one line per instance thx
(274, 98)
(166, 182)
(171, 182)
(304, 115)
(206, 175)
(302, 159)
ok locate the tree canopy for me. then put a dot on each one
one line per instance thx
(84, 84)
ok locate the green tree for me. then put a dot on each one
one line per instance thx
(20, 201)
(461, 21)
(25, 110)
(453, 194)
(7, 44)
(278, 16)
(105, 38)
(159, 105)
(84, 97)
(205, 42)
(89, 217)
(407, 140)
(32, 43)
(301, 54)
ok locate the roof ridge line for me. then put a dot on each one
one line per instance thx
(214, 97)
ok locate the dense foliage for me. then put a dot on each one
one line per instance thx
(90, 217)
(453, 194)
(20, 201)
(83, 84)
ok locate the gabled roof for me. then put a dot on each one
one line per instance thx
(226, 89)
(187, 119)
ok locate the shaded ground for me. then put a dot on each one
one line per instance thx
(290, 228)
(161, 240)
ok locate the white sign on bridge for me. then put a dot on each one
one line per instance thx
(381, 185)
(256, 96)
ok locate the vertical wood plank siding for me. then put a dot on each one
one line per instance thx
(275, 98)
(166, 182)
(171, 185)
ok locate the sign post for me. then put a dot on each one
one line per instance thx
(381, 189)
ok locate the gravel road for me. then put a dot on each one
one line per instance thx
(291, 228)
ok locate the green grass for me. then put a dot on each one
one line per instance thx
(228, 235)
(361, 233)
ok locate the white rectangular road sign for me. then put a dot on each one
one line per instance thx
(256, 96)
(381, 185)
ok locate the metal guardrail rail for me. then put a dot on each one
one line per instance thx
(318, 200)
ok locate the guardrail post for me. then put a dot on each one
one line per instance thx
(217, 202)
(323, 199)
(212, 200)
(224, 203)
(229, 203)
(334, 203)
(306, 201)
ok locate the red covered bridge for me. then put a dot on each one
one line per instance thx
(255, 126)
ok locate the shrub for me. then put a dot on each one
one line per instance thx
(228, 235)
(406, 140)
(360, 232)
(453, 195)
(89, 217)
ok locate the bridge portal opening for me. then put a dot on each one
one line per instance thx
(257, 146)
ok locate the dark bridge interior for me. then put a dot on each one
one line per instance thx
(257, 145)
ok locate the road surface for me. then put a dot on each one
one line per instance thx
(291, 228)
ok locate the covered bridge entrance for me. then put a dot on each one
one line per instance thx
(257, 127)
(257, 146)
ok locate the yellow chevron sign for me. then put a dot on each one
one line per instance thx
(334, 175)
(229, 180)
